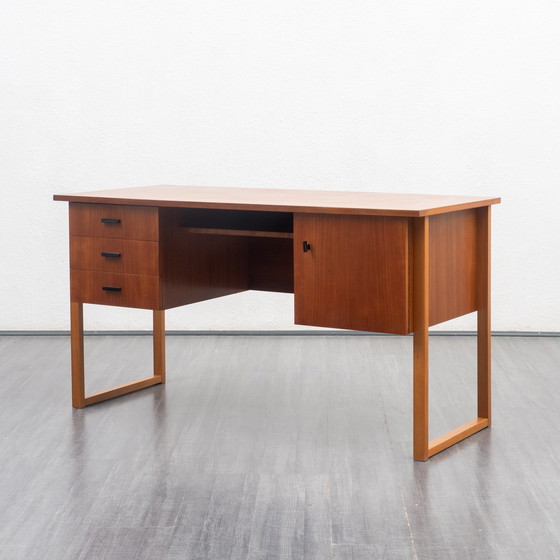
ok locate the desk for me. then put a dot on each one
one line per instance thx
(389, 263)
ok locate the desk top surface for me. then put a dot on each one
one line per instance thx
(284, 200)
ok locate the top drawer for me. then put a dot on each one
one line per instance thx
(113, 220)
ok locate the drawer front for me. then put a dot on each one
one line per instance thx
(108, 288)
(114, 255)
(114, 221)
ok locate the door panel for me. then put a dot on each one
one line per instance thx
(355, 273)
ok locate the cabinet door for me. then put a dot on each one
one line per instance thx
(353, 272)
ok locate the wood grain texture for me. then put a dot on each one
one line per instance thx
(484, 353)
(159, 344)
(421, 320)
(356, 275)
(350, 272)
(452, 265)
(458, 434)
(240, 232)
(135, 222)
(139, 291)
(235, 220)
(198, 267)
(271, 265)
(122, 389)
(77, 352)
(284, 200)
(79, 397)
(135, 257)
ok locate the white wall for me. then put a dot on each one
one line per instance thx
(432, 96)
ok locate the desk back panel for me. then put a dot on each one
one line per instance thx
(209, 253)
(197, 266)
(235, 222)
(271, 264)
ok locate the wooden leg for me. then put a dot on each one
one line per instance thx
(483, 316)
(420, 327)
(159, 344)
(77, 350)
(79, 398)
(423, 449)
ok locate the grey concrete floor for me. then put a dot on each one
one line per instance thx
(276, 447)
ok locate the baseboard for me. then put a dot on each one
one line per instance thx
(275, 333)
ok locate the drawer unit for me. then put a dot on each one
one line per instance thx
(114, 221)
(114, 255)
(109, 288)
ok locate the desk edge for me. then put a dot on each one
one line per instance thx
(92, 199)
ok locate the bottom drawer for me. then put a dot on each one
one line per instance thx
(107, 288)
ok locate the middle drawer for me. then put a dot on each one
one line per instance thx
(114, 255)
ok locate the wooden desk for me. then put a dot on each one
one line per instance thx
(374, 262)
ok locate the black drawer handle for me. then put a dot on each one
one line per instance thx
(110, 221)
(111, 288)
(306, 247)
(110, 254)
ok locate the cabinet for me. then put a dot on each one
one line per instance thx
(355, 273)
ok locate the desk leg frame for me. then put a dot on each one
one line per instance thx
(423, 449)
(79, 398)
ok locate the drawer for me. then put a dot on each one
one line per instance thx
(114, 255)
(114, 221)
(126, 290)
